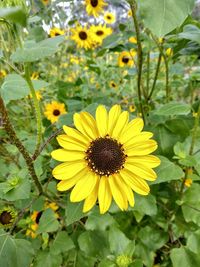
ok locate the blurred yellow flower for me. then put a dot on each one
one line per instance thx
(2, 73)
(125, 59)
(169, 52)
(56, 32)
(129, 13)
(113, 85)
(35, 75)
(38, 95)
(53, 110)
(133, 40)
(132, 108)
(100, 32)
(109, 17)
(45, 2)
(95, 7)
(188, 182)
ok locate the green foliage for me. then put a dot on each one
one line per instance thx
(14, 14)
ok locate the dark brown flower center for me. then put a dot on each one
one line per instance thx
(108, 17)
(113, 85)
(99, 33)
(105, 156)
(57, 34)
(5, 218)
(94, 3)
(125, 60)
(37, 220)
(56, 112)
(83, 35)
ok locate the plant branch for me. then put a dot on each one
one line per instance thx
(15, 140)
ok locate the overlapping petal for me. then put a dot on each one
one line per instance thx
(67, 170)
(92, 198)
(102, 120)
(67, 155)
(104, 195)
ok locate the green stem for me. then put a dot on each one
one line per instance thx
(15, 140)
(156, 76)
(133, 6)
(37, 109)
(148, 72)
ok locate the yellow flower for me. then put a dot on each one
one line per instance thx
(113, 84)
(7, 217)
(53, 110)
(100, 32)
(188, 182)
(129, 13)
(45, 2)
(132, 108)
(109, 17)
(95, 7)
(51, 205)
(125, 59)
(2, 73)
(34, 76)
(56, 32)
(169, 52)
(160, 40)
(38, 95)
(82, 36)
(133, 40)
(105, 158)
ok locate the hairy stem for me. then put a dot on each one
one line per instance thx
(37, 109)
(15, 140)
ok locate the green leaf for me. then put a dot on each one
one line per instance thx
(184, 258)
(94, 243)
(193, 242)
(62, 243)
(15, 87)
(191, 32)
(136, 263)
(98, 221)
(118, 241)
(34, 51)
(14, 14)
(167, 171)
(20, 190)
(14, 252)
(191, 204)
(145, 204)
(48, 222)
(173, 109)
(162, 16)
(47, 259)
(73, 212)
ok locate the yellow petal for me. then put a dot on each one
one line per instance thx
(126, 190)
(113, 117)
(79, 125)
(92, 198)
(149, 161)
(141, 171)
(120, 124)
(67, 170)
(142, 149)
(104, 195)
(117, 193)
(89, 125)
(70, 144)
(133, 128)
(102, 120)
(144, 136)
(84, 187)
(67, 184)
(67, 155)
(76, 134)
(137, 184)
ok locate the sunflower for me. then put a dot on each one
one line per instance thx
(126, 59)
(53, 110)
(2, 73)
(56, 32)
(132, 108)
(7, 217)
(95, 7)
(109, 18)
(82, 36)
(113, 85)
(104, 158)
(129, 13)
(100, 32)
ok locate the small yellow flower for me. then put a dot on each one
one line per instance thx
(113, 85)
(38, 95)
(82, 37)
(169, 52)
(133, 40)
(195, 114)
(34, 76)
(95, 7)
(45, 2)
(2, 74)
(125, 59)
(51, 205)
(7, 217)
(53, 110)
(100, 32)
(56, 32)
(188, 182)
(129, 13)
(160, 40)
(109, 17)
(132, 108)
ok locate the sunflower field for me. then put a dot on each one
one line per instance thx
(99, 133)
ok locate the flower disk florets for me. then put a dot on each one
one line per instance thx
(105, 156)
